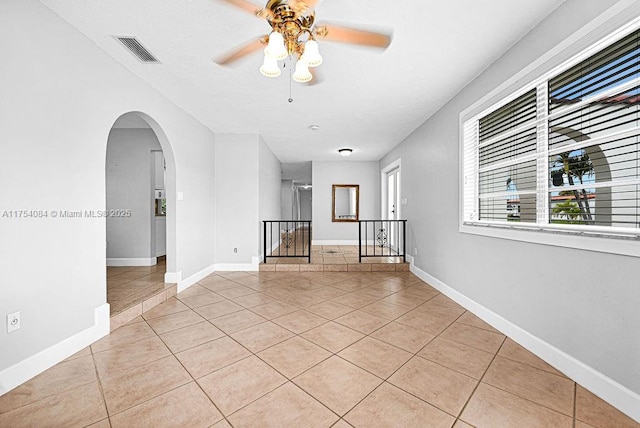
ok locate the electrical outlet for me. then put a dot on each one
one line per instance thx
(13, 322)
(415, 251)
(235, 250)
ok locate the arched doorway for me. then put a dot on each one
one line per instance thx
(140, 213)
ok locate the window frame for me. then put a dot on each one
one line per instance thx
(592, 38)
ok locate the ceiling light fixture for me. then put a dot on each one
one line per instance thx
(314, 127)
(293, 37)
(302, 73)
(285, 41)
(270, 67)
(345, 152)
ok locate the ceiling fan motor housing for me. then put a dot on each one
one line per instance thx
(289, 21)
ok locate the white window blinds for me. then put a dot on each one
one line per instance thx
(594, 136)
(564, 154)
(507, 161)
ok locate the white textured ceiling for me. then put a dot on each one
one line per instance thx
(367, 100)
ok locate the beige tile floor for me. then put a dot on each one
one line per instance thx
(271, 349)
(127, 286)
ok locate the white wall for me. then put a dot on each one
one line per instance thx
(286, 200)
(326, 174)
(583, 303)
(130, 184)
(306, 199)
(237, 197)
(248, 183)
(269, 187)
(161, 236)
(60, 97)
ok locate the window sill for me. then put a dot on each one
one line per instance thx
(598, 241)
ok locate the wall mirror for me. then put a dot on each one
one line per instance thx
(345, 202)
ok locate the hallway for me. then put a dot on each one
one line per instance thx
(260, 349)
(130, 285)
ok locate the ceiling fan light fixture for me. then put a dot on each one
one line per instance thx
(345, 152)
(276, 48)
(270, 66)
(293, 34)
(311, 53)
(302, 73)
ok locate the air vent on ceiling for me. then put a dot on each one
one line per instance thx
(137, 49)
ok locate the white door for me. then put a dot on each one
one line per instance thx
(393, 208)
(393, 179)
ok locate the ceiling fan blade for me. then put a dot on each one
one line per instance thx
(242, 51)
(247, 6)
(302, 6)
(337, 33)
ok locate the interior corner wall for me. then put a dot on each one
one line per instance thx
(130, 184)
(325, 175)
(54, 123)
(583, 303)
(237, 197)
(269, 184)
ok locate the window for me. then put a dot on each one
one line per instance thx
(507, 161)
(563, 154)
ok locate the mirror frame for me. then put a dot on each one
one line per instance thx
(333, 203)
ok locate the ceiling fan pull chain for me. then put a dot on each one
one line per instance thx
(290, 78)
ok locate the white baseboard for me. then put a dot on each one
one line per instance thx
(151, 261)
(173, 277)
(334, 242)
(601, 385)
(21, 372)
(188, 282)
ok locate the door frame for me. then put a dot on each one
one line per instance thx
(384, 191)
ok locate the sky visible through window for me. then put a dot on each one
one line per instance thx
(614, 73)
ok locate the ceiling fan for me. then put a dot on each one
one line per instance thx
(294, 33)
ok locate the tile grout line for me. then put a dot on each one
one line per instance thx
(104, 398)
(383, 380)
(480, 380)
(513, 394)
(66, 360)
(151, 362)
(316, 364)
(194, 380)
(290, 286)
(388, 321)
(287, 380)
(416, 355)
